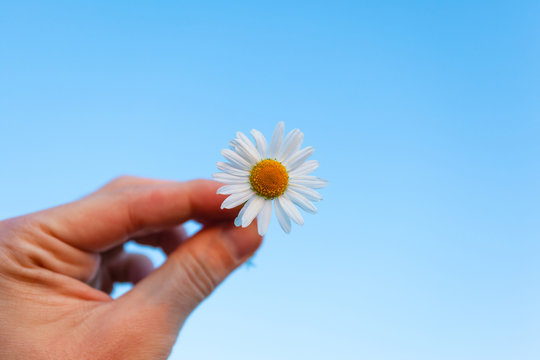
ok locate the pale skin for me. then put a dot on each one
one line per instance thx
(57, 268)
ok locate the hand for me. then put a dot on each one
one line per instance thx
(57, 267)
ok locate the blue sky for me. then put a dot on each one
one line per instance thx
(426, 121)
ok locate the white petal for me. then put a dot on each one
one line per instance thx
(249, 145)
(238, 219)
(245, 148)
(277, 138)
(235, 159)
(253, 208)
(282, 217)
(309, 181)
(301, 201)
(263, 219)
(260, 140)
(241, 149)
(237, 199)
(229, 169)
(309, 193)
(230, 179)
(304, 169)
(233, 189)
(290, 209)
(298, 158)
(291, 144)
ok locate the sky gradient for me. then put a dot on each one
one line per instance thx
(425, 117)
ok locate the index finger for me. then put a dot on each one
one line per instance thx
(110, 216)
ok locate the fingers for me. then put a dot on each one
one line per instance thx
(128, 267)
(120, 266)
(108, 217)
(168, 240)
(127, 180)
(193, 271)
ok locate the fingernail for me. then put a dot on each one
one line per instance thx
(242, 241)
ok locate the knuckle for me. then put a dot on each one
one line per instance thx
(200, 278)
(19, 225)
(122, 180)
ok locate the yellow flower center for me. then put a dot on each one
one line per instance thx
(269, 178)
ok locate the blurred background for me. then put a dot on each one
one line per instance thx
(425, 116)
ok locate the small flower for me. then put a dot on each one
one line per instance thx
(257, 175)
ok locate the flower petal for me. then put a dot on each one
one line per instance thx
(260, 140)
(308, 193)
(238, 219)
(233, 189)
(301, 201)
(304, 169)
(229, 169)
(235, 159)
(230, 179)
(277, 138)
(241, 149)
(290, 209)
(249, 146)
(309, 181)
(282, 217)
(253, 208)
(291, 144)
(263, 219)
(237, 199)
(298, 158)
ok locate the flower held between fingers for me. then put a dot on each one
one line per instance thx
(259, 174)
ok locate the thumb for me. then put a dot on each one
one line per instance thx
(193, 271)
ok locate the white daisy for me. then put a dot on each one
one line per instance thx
(259, 174)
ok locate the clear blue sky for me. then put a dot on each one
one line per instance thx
(426, 120)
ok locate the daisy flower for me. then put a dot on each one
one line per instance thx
(257, 175)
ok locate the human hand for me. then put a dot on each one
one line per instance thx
(57, 267)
